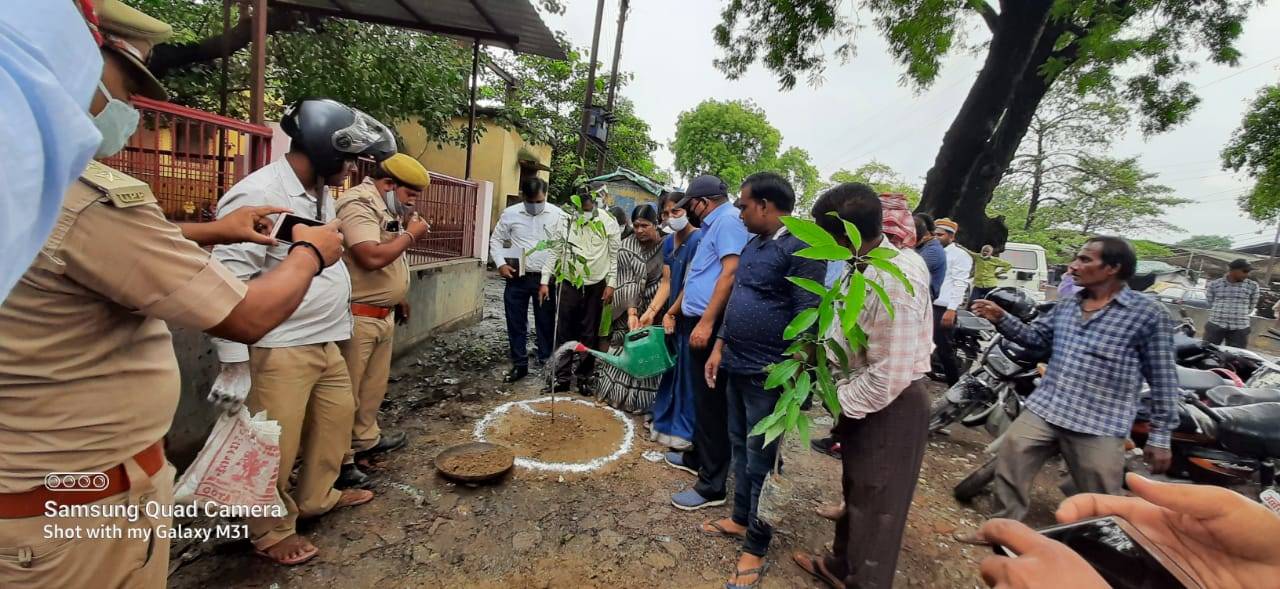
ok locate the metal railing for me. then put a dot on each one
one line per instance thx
(449, 205)
(190, 157)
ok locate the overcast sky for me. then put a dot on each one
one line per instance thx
(861, 112)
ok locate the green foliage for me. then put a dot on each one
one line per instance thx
(1136, 48)
(392, 74)
(808, 371)
(1208, 242)
(547, 101)
(794, 165)
(729, 139)
(1117, 196)
(1150, 250)
(1255, 148)
(881, 177)
(571, 266)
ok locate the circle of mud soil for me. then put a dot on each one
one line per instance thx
(581, 438)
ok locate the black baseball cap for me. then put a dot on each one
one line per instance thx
(703, 186)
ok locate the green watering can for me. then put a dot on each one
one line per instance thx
(644, 353)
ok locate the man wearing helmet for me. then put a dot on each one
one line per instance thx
(88, 378)
(379, 224)
(296, 373)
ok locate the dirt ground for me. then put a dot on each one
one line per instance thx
(613, 527)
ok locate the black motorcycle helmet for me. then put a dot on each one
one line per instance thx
(330, 132)
(1015, 301)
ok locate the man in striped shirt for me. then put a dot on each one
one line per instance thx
(1232, 299)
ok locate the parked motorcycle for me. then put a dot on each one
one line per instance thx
(990, 391)
(970, 337)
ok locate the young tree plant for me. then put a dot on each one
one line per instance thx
(809, 367)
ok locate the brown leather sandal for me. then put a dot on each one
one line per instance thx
(813, 564)
(353, 497)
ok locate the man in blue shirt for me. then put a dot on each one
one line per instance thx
(931, 250)
(1106, 341)
(761, 306)
(708, 283)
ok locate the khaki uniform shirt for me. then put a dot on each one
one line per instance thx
(363, 216)
(88, 376)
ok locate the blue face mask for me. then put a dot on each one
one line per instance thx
(117, 123)
(534, 208)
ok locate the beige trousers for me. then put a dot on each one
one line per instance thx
(34, 554)
(307, 390)
(368, 356)
(1096, 463)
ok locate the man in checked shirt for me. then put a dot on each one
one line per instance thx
(1106, 340)
(1232, 299)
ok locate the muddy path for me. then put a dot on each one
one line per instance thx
(611, 527)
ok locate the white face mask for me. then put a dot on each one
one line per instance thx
(677, 224)
(117, 123)
(393, 205)
(535, 208)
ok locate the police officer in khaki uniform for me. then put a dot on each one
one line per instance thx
(88, 378)
(378, 224)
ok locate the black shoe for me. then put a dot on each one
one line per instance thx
(387, 442)
(586, 390)
(351, 477)
(828, 446)
(516, 373)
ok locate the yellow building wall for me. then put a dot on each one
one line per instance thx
(495, 157)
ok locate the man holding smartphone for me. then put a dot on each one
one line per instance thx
(296, 373)
(378, 224)
(88, 377)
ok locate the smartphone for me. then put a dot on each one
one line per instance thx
(1120, 553)
(283, 230)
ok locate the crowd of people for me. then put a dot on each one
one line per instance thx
(305, 324)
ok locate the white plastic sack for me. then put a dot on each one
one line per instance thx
(238, 466)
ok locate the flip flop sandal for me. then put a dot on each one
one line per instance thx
(306, 556)
(353, 497)
(817, 570)
(719, 530)
(758, 572)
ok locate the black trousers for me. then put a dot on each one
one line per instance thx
(881, 463)
(516, 296)
(579, 319)
(1217, 334)
(711, 452)
(943, 351)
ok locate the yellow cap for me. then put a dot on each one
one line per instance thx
(947, 225)
(407, 171)
(131, 33)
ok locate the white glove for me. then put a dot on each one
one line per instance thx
(231, 387)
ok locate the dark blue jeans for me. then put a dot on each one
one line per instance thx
(749, 403)
(520, 291)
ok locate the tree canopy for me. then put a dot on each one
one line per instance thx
(730, 139)
(1255, 148)
(880, 177)
(794, 165)
(1139, 49)
(1208, 242)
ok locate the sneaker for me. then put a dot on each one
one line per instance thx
(676, 460)
(690, 500)
(351, 477)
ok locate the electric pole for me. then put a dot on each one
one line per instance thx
(591, 82)
(613, 80)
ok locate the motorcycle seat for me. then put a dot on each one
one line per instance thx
(1229, 396)
(1250, 430)
(1187, 347)
(1198, 380)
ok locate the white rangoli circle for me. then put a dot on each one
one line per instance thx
(628, 435)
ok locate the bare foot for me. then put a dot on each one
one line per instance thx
(750, 567)
(831, 512)
(723, 527)
(291, 551)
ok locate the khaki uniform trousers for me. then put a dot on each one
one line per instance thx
(1096, 463)
(29, 557)
(368, 355)
(305, 389)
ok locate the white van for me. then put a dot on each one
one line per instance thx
(1030, 269)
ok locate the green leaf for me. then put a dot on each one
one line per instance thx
(803, 321)
(606, 320)
(803, 426)
(793, 415)
(832, 252)
(804, 383)
(841, 356)
(851, 230)
(796, 347)
(830, 397)
(884, 297)
(808, 231)
(767, 422)
(882, 253)
(577, 201)
(857, 338)
(812, 286)
(774, 433)
(853, 300)
(893, 270)
(781, 372)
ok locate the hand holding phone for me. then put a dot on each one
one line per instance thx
(282, 231)
(326, 238)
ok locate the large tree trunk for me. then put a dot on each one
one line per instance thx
(1012, 43)
(994, 158)
(170, 57)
